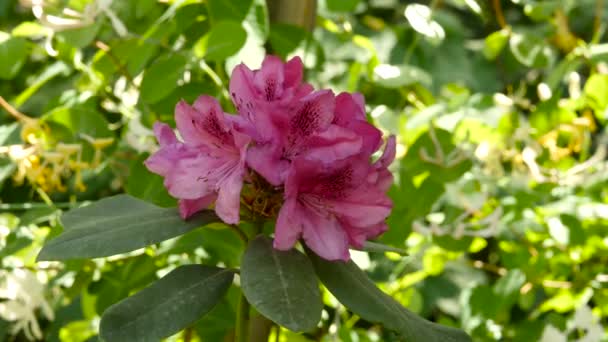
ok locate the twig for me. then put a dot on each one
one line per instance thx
(14, 112)
(121, 67)
(239, 232)
(500, 18)
(597, 20)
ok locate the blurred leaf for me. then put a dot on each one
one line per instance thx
(358, 293)
(395, 76)
(495, 43)
(77, 331)
(342, 5)
(235, 10)
(281, 285)
(79, 120)
(30, 29)
(530, 49)
(285, 38)
(13, 53)
(166, 72)
(116, 225)
(167, 306)
(596, 89)
(223, 40)
(146, 185)
(420, 17)
(6, 169)
(81, 37)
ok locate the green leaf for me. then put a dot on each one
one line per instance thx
(530, 50)
(116, 225)
(30, 29)
(596, 89)
(356, 291)
(396, 76)
(146, 185)
(223, 40)
(161, 78)
(13, 52)
(81, 37)
(285, 38)
(495, 42)
(281, 285)
(167, 306)
(370, 246)
(228, 9)
(80, 119)
(342, 5)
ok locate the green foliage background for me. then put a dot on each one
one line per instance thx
(500, 108)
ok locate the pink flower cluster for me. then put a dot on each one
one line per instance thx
(315, 146)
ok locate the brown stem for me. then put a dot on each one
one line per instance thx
(597, 21)
(14, 112)
(188, 334)
(499, 15)
(121, 67)
(301, 13)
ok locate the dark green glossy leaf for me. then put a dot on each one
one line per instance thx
(116, 225)
(167, 306)
(356, 291)
(281, 285)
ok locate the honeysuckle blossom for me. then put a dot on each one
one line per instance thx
(311, 145)
(21, 296)
(209, 165)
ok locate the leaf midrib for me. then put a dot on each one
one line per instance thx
(95, 233)
(283, 285)
(383, 301)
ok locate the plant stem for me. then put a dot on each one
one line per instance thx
(14, 112)
(239, 232)
(242, 320)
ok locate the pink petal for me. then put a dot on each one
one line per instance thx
(196, 177)
(164, 134)
(265, 160)
(293, 72)
(312, 114)
(189, 207)
(269, 79)
(163, 161)
(242, 91)
(349, 108)
(202, 124)
(288, 230)
(367, 212)
(389, 153)
(333, 144)
(324, 235)
(229, 197)
(357, 236)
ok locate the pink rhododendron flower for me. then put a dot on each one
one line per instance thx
(259, 95)
(303, 131)
(334, 207)
(313, 146)
(209, 165)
